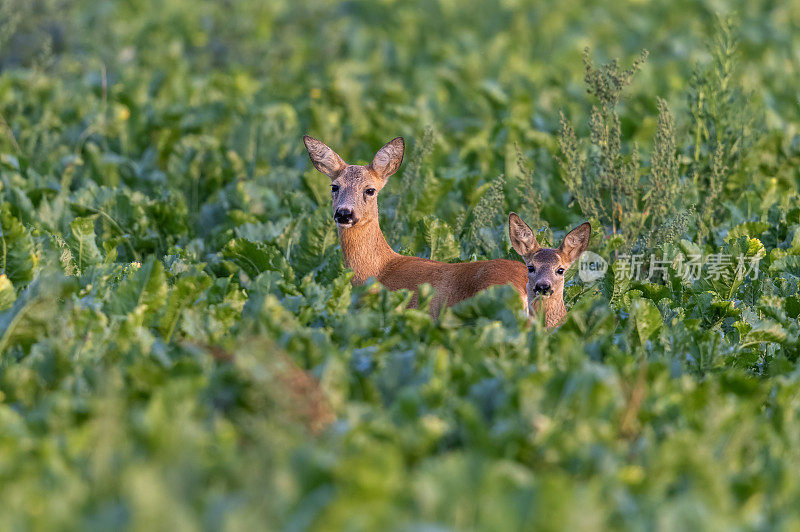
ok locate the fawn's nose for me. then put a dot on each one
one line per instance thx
(542, 287)
(344, 216)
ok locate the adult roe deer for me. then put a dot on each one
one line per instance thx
(354, 190)
(546, 266)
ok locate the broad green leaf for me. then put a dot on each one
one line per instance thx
(36, 311)
(17, 256)
(795, 246)
(82, 241)
(786, 264)
(646, 318)
(317, 238)
(751, 248)
(440, 240)
(318, 186)
(750, 229)
(182, 295)
(7, 293)
(620, 280)
(690, 248)
(765, 331)
(254, 257)
(654, 292)
(144, 291)
(629, 297)
(755, 328)
(9, 161)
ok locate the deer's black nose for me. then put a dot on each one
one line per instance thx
(344, 216)
(543, 287)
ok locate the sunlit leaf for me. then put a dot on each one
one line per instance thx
(82, 242)
(17, 256)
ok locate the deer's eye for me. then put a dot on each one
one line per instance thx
(334, 188)
(560, 271)
(370, 192)
(532, 269)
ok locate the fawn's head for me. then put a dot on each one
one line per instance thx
(546, 266)
(355, 188)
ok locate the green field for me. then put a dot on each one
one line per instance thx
(180, 344)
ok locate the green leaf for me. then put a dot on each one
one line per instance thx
(35, 311)
(82, 242)
(7, 293)
(181, 296)
(439, 238)
(766, 331)
(754, 329)
(254, 257)
(17, 256)
(750, 229)
(318, 186)
(316, 243)
(144, 291)
(9, 161)
(620, 283)
(646, 318)
(786, 264)
(795, 246)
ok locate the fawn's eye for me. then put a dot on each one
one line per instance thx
(560, 271)
(370, 192)
(334, 188)
(532, 269)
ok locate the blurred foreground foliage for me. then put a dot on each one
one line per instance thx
(180, 346)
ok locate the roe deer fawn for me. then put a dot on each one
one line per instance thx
(546, 266)
(355, 209)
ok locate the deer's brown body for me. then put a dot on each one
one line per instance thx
(366, 251)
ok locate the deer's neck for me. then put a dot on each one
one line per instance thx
(553, 308)
(365, 250)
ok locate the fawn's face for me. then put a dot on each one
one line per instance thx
(546, 266)
(355, 188)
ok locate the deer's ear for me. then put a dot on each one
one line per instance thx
(323, 158)
(388, 158)
(522, 238)
(575, 242)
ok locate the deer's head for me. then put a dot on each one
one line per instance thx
(546, 266)
(355, 188)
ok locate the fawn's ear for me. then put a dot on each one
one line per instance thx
(575, 242)
(323, 158)
(522, 238)
(388, 158)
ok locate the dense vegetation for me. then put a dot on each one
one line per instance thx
(171, 275)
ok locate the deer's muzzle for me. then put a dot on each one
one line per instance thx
(543, 288)
(345, 217)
